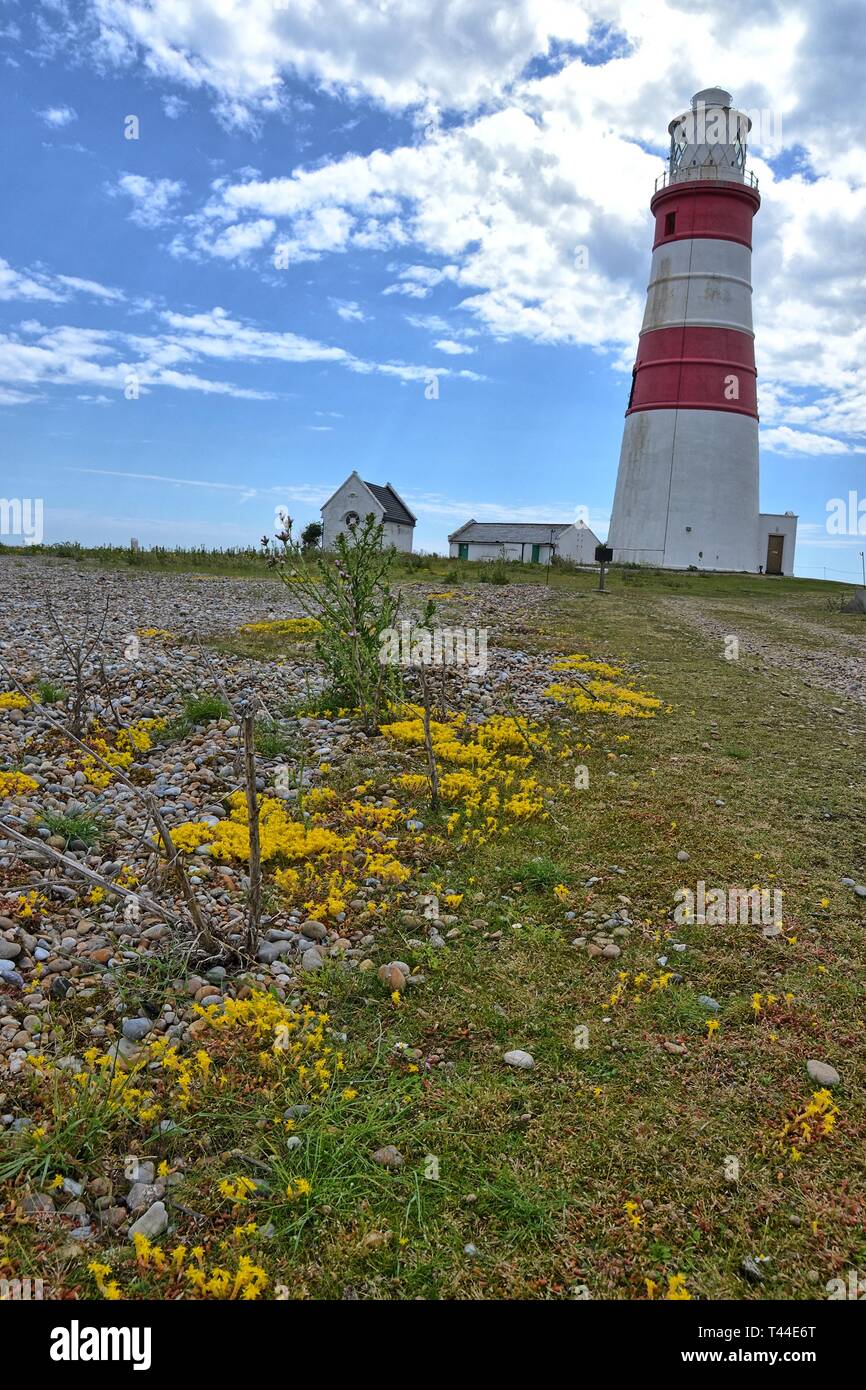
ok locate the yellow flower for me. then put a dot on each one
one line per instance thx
(236, 1189)
(677, 1290)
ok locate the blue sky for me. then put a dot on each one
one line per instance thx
(328, 205)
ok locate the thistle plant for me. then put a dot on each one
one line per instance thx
(350, 595)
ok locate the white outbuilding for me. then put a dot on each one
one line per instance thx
(532, 543)
(354, 500)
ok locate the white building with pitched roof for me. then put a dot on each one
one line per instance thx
(354, 500)
(533, 543)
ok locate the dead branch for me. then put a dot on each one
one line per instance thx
(39, 846)
(428, 743)
(255, 913)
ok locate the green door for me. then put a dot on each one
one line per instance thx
(536, 554)
(463, 552)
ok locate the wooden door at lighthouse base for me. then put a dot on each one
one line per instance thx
(775, 546)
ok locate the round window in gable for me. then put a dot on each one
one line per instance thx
(351, 519)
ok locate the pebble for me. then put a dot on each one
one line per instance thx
(153, 1222)
(524, 1061)
(822, 1073)
(750, 1268)
(388, 1157)
(135, 1029)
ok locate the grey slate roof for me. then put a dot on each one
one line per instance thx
(394, 508)
(498, 532)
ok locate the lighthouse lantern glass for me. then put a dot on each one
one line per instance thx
(709, 140)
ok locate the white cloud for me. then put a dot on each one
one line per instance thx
(91, 287)
(784, 440)
(454, 349)
(235, 242)
(35, 355)
(152, 199)
(58, 116)
(54, 289)
(173, 106)
(292, 492)
(349, 310)
(417, 51)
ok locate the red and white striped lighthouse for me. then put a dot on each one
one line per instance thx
(687, 486)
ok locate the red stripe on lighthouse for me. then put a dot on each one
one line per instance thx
(719, 209)
(695, 369)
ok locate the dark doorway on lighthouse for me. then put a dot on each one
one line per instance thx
(775, 546)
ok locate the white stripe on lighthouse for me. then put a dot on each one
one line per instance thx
(700, 282)
(687, 490)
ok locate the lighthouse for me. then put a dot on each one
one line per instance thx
(687, 485)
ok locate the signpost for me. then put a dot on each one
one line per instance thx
(603, 557)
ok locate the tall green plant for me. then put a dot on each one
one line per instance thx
(349, 593)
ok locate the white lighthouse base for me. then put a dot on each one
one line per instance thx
(687, 491)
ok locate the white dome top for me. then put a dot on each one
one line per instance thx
(711, 96)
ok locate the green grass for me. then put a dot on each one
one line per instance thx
(51, 694)
(86, 827)
(273, 739)
(197, 709)
(248, 562)
(201, 709)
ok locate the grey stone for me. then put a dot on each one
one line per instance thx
(38, 1204)
(9, 950)
(520, 1059)
(269, 951)
(140, 1195)
(708, 1003)
(314, 931)
(154, 1222)
(751, 1270)
(388, 1157)
(823, 1073)
(124, 1054)
(135, 1029)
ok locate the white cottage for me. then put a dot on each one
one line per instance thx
(533, 543)
(354, 500)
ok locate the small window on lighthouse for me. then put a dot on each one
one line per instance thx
(670, 224)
